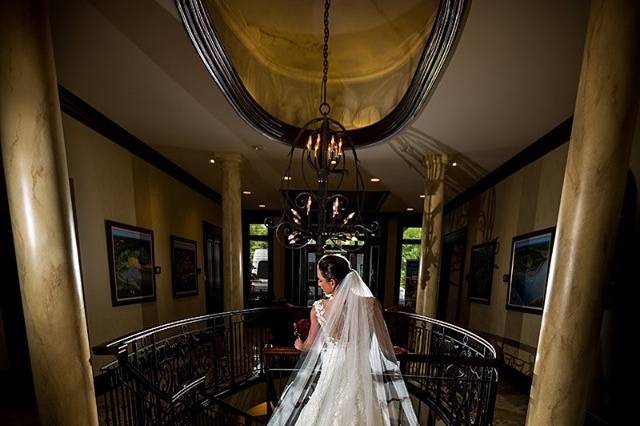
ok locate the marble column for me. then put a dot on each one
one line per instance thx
(592, 195)
(431, 240)
(232, 231)
(35, 167)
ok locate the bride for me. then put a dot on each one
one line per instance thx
(348, 373)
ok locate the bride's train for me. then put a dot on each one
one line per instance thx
(350, 375)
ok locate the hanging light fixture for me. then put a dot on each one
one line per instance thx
(324, 216)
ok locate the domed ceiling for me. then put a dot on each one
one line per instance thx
(267, 58)
(511, 78)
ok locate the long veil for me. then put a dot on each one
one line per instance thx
(350, 371)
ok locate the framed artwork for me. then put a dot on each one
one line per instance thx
(481, 272)
(131, 263)
(184, 267)
(529, 271)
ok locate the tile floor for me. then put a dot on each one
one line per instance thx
(511, 406)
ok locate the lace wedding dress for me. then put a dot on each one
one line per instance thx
(350, 374)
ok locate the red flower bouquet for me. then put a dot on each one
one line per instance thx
(301, 328)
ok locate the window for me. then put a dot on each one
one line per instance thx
(409, 266)
(259, 271)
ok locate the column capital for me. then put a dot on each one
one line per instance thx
(435, 168)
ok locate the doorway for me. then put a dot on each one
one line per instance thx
(213, 287)
(451, 276)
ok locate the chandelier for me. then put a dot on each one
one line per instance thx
(326, 217)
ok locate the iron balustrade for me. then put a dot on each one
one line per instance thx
(451, 369)
(178, 373)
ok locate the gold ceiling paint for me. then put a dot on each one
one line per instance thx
(276, 49)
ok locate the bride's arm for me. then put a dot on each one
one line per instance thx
(313, 331)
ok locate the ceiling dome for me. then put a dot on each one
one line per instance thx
(267, 59)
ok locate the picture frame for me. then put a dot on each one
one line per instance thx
(184, 267)
(481, 272)
(130, 253)
(529, 270)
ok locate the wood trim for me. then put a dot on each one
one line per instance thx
(404, 220)
(557, 137)
(75, 107)
(249, 217)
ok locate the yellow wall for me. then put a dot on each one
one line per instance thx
(526, 201)
(111, 183)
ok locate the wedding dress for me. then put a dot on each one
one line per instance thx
(350, 375)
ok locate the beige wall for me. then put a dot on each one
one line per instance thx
(111, 183)
(526, 201)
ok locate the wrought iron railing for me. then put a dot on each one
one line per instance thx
(177, 373)
(451, 369)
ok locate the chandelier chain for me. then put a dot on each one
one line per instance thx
(325, 58)
(323, 217)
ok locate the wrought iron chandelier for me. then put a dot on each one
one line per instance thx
(324, 217)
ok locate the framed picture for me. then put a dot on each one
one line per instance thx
(529, 271)
(184, 267)
(481, 272)
(131, 263)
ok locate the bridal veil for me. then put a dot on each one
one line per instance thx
(350, 374)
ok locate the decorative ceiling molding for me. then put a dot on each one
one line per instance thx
(413, 145)
(206, 39)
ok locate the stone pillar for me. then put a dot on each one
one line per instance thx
(592, 195)
(431, 240)
(37, 180)
(232, 231)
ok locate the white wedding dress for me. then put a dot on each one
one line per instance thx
(350, 375)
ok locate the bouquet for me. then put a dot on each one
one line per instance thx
(301, 329)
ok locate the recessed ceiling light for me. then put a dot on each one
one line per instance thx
(257, 147)
(409, 209)
(287, 178)
(212, 161)
(454, 164)
(262, 206)
(422, 196)
(246, 192)
(375, 179)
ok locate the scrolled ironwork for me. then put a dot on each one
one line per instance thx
(174, 374)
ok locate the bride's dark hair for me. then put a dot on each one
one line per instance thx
(334, 267)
